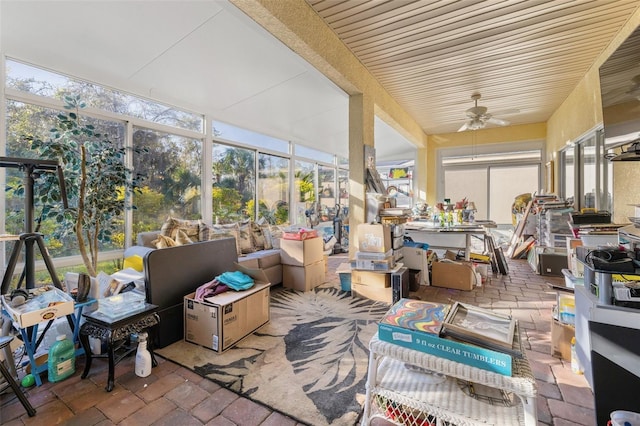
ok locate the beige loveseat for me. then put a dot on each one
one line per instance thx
(257, 245)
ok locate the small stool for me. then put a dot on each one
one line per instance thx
(114, 330)
(4, 341)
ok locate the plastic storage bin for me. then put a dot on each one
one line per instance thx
(344, 272)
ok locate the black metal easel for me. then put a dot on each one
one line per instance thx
(29, 239)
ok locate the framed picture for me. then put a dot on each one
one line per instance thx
(479, 326)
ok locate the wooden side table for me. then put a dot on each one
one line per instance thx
(116, 331)
(393, 390)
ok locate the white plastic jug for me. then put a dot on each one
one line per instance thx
(624, 418)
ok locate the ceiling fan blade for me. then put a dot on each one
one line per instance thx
(464, 127)
(497, 121)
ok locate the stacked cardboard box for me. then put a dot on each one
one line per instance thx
(303, 264)
(374, 267)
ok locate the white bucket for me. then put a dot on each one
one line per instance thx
(625, 418)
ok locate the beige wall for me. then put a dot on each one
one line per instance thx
(521, 133)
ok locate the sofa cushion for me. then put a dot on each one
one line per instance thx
(216, 232)
(257, 234)
(249, 262)
(182, 238)
(268, 239)
(145, 239)
(245, 238)
(164, 242)
(172, 225)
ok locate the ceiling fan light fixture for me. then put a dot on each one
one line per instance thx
(479, 117)
(632, 153)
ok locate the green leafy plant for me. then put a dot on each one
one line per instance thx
(96, 180)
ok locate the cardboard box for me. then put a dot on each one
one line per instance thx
(370, 278)
(274, 274)
(221, 321)
(380, 294)
(301, 253)
(398, 330)
(457, 275)
(303, 278)
(374, 237)
(43, 306)
(561, 335)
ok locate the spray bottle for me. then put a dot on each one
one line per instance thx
(143, 357)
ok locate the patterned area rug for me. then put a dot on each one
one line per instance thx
(309, 362)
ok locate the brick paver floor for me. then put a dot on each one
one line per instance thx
(175, 395)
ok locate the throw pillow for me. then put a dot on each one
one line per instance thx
(245, 238)
(276, 235)
(226, 231)
(171, 226)
(257, 235)
(163, 242)
(204, 231)
(268, 238)
(182, 238)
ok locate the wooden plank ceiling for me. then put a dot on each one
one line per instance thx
(523, 57)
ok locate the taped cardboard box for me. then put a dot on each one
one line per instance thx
(301, 253)
(374, 237)
(372, 279)
(221, 321)
(456, 275)
(561, 335)
(303, 278)
(380, 294)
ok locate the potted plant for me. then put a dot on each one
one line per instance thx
(96, 180)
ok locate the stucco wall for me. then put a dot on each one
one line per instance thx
(525, 132)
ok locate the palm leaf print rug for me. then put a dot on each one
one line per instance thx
(309, 362)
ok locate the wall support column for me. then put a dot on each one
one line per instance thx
(361, 125)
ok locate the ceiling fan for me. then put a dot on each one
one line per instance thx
(478, 117)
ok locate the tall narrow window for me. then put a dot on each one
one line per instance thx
(305, 190)
(273, 189)
(327, 192)
(233, 183)
(172, 174)
(568, 173)
(589, 179)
